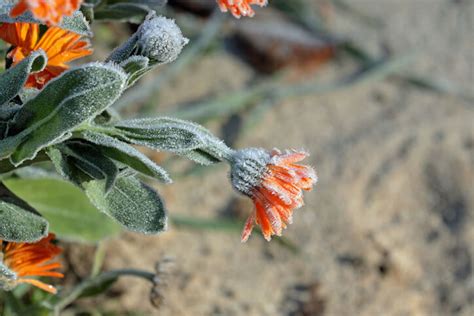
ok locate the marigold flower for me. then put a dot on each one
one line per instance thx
(24, 261)
(240, 8)
(61, 46)
(275, 183)
(50, 12)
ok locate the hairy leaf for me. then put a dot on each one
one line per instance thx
(126, 12)
(174, 135)
(65, 103)
(13, 80)
(131, 203)
(136, 67)
(66, 207)
(20, 225)
(92, 162)
(126, 154)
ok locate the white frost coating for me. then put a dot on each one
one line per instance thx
(173, 135)
(86, 112)
(249, 167)
(131, 152)
(160, 39)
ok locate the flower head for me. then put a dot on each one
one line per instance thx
(50, 12)
(240, 8)
(61, 46)
(22, 262)
(275, 182)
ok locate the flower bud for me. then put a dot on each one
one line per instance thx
(160, 39)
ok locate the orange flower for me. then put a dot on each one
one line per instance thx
(240, 8)
(50, 12)
(27, 260)
(61, 46)
(275, 183)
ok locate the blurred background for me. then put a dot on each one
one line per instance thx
(380, 93)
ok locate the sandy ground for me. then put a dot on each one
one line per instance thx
(389, 229)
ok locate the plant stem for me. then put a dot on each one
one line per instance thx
(92, 282)
(98, 259)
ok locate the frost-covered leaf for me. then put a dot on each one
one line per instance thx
(7, 112)
(68, 210)
(17, 224)
(18, 221)
(201, 157)
(174, 135)
(91, 161)
(131, 203)
(75, 23)
(65, 167)
(13, 80)
(135, 67)
(125, 12)
(126, 154)
(75, 97)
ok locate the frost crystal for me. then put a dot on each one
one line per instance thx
(248, 169)
(160, 39)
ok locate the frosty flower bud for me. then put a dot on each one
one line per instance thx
(160, 39)
(275, 183)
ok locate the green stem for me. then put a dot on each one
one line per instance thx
(99, 257)
(103, 278)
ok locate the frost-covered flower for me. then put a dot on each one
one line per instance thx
(23, 262)
(61, 46)
(50, 12)
(275, 183)
(240, 8)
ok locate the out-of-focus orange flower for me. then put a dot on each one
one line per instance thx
(50, 12)
(240, 8)
(30, 260)
(61, 46)
(275, 182)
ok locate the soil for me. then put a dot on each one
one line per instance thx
(389, 229)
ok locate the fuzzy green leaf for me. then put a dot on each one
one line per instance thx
(168, 134)
(66, 207)
(92, 162)
(126, 12)
(13, 80)
(126, 154)
(20, 225)
(135, 67)
(65, 103)
(131, 203)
